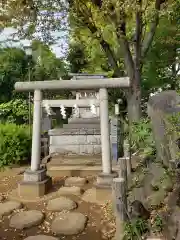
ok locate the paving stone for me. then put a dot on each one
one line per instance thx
(69, 223)
(75, 181)
(26, 219)
(41, 237)
(7, 208)
(98, 196)
(1, 198)
(70, 191)
(60, 204)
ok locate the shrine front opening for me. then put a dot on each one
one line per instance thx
(36, 176)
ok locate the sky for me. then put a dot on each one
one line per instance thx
(7, 33)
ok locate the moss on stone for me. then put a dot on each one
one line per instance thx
(156, 198)
(167, 184)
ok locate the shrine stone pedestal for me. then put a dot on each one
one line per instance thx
(35, 184)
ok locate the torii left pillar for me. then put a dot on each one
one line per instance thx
(35, 183)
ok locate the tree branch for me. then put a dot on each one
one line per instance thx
(128, 60)
(105, 46)
(138, 36)
(150, 35)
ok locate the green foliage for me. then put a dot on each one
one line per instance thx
(15, 144)
(13, 68)
(135, 229)
(14, 111)
(76, 58)
(157, 223)
(46, 66)
(141, 136)
(162, 66)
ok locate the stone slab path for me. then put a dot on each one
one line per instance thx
(69, 223)
(26, 219)
(60, 204)
(41, 237)
(8, 207)
(74, 190)
(63, 216)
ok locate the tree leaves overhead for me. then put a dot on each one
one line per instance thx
(35, 17)
(13, 66)
(46, 65)
(163, 61)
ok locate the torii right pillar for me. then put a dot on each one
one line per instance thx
(104, 180)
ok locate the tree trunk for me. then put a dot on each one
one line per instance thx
(134, 100)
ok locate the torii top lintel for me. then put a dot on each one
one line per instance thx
(73, 85)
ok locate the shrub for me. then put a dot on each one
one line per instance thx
(15, 144)
(141, 136)
(14, 111)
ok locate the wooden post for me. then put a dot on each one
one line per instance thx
(127, 156)
(120, 206)
(123, 169)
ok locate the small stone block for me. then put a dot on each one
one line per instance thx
(34, 189)
(77, 191)
(35, 176)
(75, 181)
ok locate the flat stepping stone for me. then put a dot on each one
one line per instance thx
(1, 198)
(7, 208)
(60, 204)
(26, 219)
(41, 237)
(98, 196)
(69, 223)
(77, 191)
(75, 181)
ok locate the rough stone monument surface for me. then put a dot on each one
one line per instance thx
(161, 107)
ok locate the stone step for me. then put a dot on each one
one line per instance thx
(75, 160)
(75, 140)
(75, 149)
(74, 131)
(76, 170)
(75, 182)
(84, 120)
(81, 126)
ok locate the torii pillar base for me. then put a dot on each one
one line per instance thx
(35, 184)
(104, 180)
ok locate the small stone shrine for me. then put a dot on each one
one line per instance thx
(82, 134)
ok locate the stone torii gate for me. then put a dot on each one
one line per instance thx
(36, 183)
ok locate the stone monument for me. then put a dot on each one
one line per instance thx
(161, 108)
